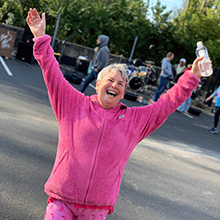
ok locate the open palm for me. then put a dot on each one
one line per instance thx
(35, 23)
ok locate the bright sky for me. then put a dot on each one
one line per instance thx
(170, 4)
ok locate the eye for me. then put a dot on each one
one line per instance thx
(111, 80)
(120, 84)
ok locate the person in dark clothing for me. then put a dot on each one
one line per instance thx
(100, 61)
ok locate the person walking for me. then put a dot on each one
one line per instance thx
(217, 111)
(100, 61)
(165, 75)
(96, 133)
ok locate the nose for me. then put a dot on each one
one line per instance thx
(114, 84)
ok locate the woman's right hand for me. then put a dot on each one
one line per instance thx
(195, 68)
(35, 23)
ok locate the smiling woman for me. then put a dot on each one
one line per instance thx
(111, 85)
(97, 134)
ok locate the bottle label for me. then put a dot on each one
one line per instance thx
(203, 53)
(205, 68)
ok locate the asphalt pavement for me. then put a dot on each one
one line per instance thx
(173, 174)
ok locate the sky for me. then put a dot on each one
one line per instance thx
(170, 4)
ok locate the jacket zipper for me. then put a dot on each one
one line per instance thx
(94, 163)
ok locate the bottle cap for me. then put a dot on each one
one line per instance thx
(199, 44)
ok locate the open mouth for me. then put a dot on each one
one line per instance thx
(111, 93)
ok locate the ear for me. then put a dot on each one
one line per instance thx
(97, 85)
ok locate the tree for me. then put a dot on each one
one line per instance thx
(192, 26)
(203, 6)
(123, 20)
(188, 5)
(14, 12)
(162, 38)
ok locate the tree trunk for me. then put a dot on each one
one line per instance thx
(216, 6)
(188, 5)
(203, 6)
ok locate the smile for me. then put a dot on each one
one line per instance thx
(111, 93)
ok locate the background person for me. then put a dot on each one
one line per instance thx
(184, 107)
(100, 61)
(96, 134)
(179, 69)
(165, 75)
(217, 111)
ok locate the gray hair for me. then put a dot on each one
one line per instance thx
(122, 68)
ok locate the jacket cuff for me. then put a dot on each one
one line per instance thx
(41, 39)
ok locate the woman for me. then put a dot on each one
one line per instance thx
(217, 111)
(96, 134)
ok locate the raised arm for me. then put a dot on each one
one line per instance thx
(35, 23)
(64, 98)
(149, 118)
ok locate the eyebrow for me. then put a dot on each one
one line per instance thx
(121, 81)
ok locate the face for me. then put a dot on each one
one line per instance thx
(98, 41)
(171, 57)
(110, 89)
(182, 63)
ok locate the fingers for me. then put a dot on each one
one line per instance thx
(44, 18)
(32, 15)
(36, 24)
(195, 68)
(197, 60)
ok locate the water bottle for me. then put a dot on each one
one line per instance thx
(205, 64)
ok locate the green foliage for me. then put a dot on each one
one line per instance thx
(14, 12)
(194, 25)
(123, 20)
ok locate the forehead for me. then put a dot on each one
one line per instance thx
(114, 74)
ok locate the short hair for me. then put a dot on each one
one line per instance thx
(169, 54)
(122, 68)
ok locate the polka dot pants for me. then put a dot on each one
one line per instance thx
(59, 210)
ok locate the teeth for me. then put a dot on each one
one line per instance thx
(111, 93)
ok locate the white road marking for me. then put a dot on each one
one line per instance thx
(92, 86)
(6, 67)
(186, 114)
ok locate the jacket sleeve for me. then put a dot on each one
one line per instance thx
(214, 93)
(63, 97)
(150, 117)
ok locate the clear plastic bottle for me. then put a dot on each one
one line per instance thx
(205, 64)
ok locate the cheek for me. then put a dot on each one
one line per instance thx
(122, 92)
(99, 87)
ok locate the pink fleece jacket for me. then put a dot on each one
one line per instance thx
(94, 143)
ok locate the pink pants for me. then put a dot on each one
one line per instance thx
(59, 210)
